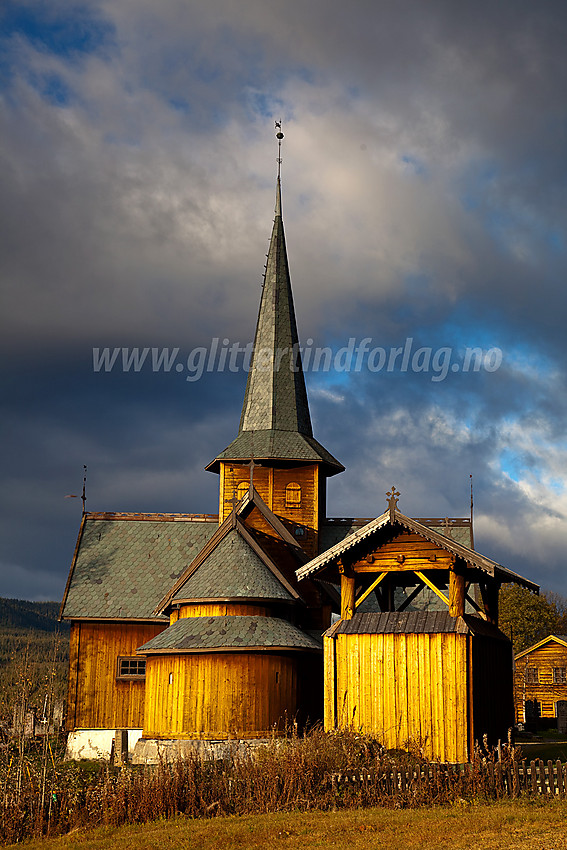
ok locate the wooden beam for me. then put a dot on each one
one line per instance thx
(430, 584)
(457, 589)
(367, 592)
(489, 591)
(415, 592)
(348, 589)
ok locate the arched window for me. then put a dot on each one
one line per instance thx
(293, 496)
(242, 489)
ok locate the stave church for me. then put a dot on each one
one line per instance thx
(194, 630)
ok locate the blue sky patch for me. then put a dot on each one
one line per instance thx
(63, 32)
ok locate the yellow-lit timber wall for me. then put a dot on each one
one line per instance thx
(218, 695)
(217, 609)
(96, 698)
(270, 483)
(409, 690)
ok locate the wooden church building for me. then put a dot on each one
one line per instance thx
(192, 627)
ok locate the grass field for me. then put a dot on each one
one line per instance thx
(511, 825)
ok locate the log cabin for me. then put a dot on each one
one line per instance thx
(540, 682)
(194, 627)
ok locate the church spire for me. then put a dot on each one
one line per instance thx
(276, 397)
(275, 421)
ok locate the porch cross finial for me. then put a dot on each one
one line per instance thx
(392, 500)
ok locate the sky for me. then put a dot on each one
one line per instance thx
(423, 178)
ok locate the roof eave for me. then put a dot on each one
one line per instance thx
(471, 557)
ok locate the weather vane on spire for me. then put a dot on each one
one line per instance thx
(279, 137)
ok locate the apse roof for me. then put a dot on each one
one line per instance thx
(198, 634)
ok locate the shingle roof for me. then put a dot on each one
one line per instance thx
(275, 421)
(414, 622)
(124, 563)
(232, 570)
(197, 634)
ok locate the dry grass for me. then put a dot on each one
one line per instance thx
(513, 825)
(284, 778)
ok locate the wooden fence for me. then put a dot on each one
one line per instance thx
(492, 779)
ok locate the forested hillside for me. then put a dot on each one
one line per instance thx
(34, 652)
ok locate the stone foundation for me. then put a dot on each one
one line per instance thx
(155, 750)
(96, 743)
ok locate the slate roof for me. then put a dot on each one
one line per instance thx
(248, 547)
(197, 634)
(414, 622)
(395, 517)
(124, 562)
(278, 444)
(232, 570)
(333, 531)
(275, 421)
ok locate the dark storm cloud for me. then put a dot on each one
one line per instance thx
(424, 166)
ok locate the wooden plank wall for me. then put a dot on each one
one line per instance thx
(407, 551)
(410, 690)
(96, 698)
(270, 483)
(218, 609)
(547, 693)
(219, 695)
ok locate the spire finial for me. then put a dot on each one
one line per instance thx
(84, 496)
(279, 137)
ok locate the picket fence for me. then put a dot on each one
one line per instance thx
(494, 779)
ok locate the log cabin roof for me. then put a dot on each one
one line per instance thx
(562, 639)
(275, 422)
(124, 562)
(395, 517)
(240, 632)
(414, 622)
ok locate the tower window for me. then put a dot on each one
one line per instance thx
(242, 489)
(559, 675)
(293, 496)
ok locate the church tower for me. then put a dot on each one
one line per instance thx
(275, 449)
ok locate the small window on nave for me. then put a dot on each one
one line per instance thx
(293, 496)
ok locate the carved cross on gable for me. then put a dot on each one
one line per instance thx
(252, 465)
(234, 501)
(392, 501)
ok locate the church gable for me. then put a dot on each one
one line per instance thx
(232, 570)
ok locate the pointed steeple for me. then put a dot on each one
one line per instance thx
(275, 423)
(276, 397)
